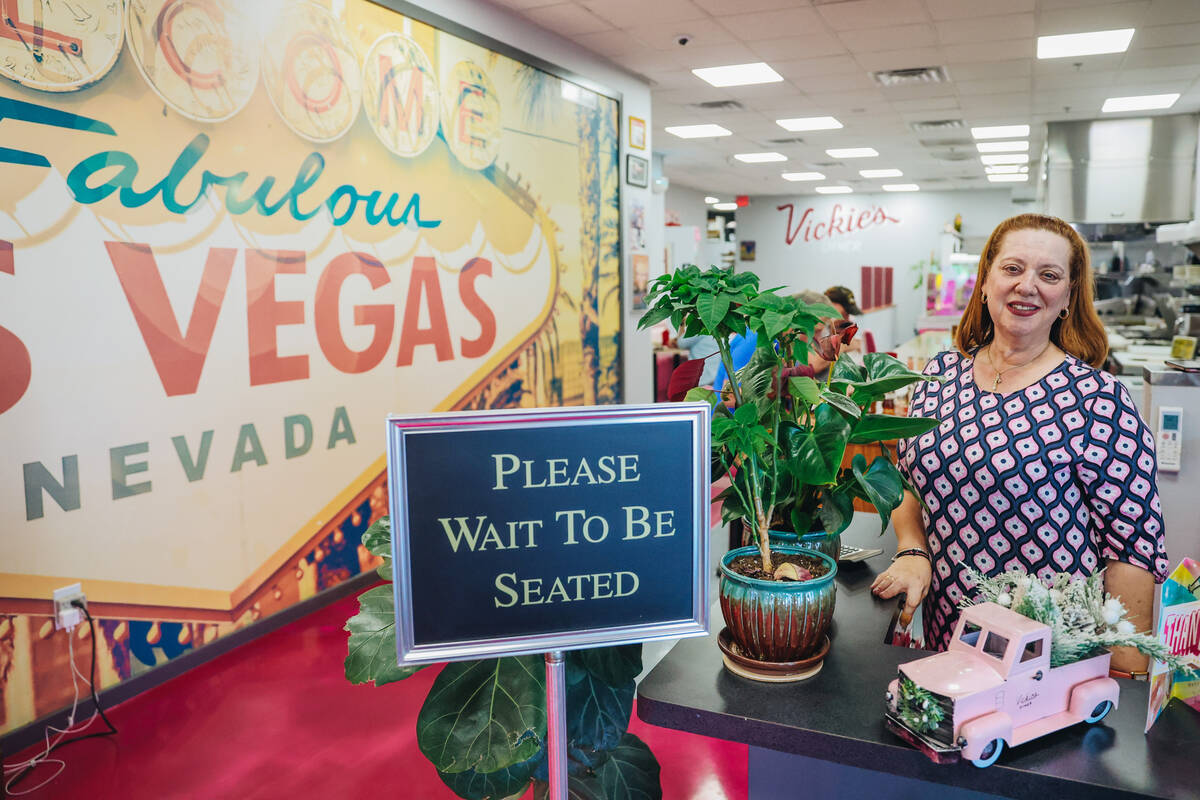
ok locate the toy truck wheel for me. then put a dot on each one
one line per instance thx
(1099, 712)
(989, 754)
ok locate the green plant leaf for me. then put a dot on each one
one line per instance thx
(598, 711)
(654, 316)
(886, 427)
(817, 454)
(712, 310)
(378, 541)
(775, 323)
(842, 403)
(885, 374)
(836, 511)
(844, 369)
(881, 483)
(472, 785)
(746, 415)
(631, 772)
(701, 394)
(616, 665)
(806, 389)
(371, 652)
(484, 715)
(579, 787)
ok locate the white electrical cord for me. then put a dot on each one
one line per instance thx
(12, 770)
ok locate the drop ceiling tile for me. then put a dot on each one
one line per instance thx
(997, 86)
(665, 36)
(1096, 18)
(1020, 68)
(918, 91)
(521, 5)
(1166, 35)
(716, 55)
(1067, 66)
(720, 8)
(808, 68)
(872, 14)
(986, 29)
(1082, 99)
(674, 79)
(968, 9)
(567, 19)
(1187, 72)
(1171, 12)
(989, 51)
(1005, 102)
(847, 82)
(1162, 57)
(649, 62)
(901, 59)
(631, 13)
(836, 101)
(700, 94)
(812, 45)
(943, 106)
(897, 37)
(770, 24)
(1074, 80)
(612, 43)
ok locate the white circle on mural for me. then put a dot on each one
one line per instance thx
(199, 56)
(310, 71)
(471, 115)
(59, 47)
(400, 94)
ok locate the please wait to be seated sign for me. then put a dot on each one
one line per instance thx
(548, 529)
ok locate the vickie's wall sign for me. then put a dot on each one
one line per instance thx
(841, 221)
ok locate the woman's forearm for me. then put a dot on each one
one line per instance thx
(1135, 587)
(910, 528)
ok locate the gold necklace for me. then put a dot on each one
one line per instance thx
(1000, 372)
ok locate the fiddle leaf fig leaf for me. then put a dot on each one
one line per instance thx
(378, 541)
(484, 715)
(579, 787)
(882, 484)
(507, 782)
(598, 711)
(615, 665)
(631, 772)
(886, 427)
(371, 653)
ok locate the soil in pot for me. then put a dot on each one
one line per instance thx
(751, 565)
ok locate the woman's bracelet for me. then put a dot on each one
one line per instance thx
(913, 551)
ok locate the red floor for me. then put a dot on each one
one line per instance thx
(276, 719)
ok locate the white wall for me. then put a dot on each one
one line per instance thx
(515, 31)
(689, 205)
(833, 259)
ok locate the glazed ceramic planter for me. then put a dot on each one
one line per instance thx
(777, 620)
(820, 541)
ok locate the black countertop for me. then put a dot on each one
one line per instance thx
(837, 715)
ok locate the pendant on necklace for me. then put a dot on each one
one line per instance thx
(996, 384)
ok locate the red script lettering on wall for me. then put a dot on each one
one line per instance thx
(840, 222)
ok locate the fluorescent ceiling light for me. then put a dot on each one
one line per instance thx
(802, 176)
(809, 124)
(759, 158)
(901, 187)
(710, 200)
(725, 206)
(880, 173)
(1000, 132)
(697, 131)
(1142, 102)
(834, 190)
(1002, 147)
(853, 152)
(1008, 178)
(1010, 158)
(1002, 169)
(1084, 44)
(738, 74)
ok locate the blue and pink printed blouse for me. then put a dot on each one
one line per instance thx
(1056, 477)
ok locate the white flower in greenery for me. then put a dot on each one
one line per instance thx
(1056, 596)
(1004, 599)
(1125, 627)
(1112, 611)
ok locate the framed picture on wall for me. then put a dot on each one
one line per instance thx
(637, 133)
(637, 171)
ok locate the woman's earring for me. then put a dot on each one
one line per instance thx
(1064, 314)
(985, 299)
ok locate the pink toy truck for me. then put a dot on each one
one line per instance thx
(994, 686)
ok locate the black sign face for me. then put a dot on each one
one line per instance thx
(529, 531)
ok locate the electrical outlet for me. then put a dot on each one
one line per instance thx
(66, 615)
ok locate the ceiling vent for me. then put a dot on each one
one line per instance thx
(935, 143)
(936, 125)
(719, 105)
(913, 76)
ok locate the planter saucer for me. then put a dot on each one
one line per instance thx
(770, 671)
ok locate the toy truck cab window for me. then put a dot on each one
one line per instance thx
(1033, 650)
(995, 645)
(970, 634)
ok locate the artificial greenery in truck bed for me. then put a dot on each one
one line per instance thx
(483, 723)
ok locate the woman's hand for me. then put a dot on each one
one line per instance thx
(908, 575)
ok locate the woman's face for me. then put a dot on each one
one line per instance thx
(1029, 283)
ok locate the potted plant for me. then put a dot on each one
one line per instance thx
(781, 436)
